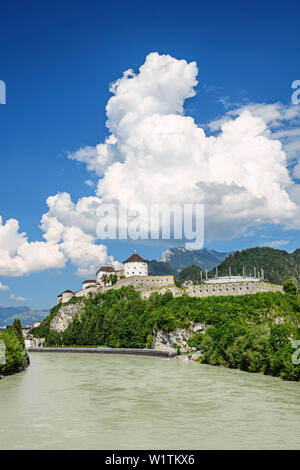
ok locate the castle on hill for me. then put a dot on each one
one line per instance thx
(135, 265)
(135, 273)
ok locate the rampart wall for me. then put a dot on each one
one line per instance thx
(210, 290)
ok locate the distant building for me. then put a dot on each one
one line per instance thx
(89, 283)
(135, 265)
(104, 272)
(65, 296)
(31, 342)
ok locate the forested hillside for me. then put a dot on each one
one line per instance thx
(249, 332)
(278, 265)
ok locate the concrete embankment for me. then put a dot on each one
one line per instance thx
(127, 351)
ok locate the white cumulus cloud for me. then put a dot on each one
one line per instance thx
(18, 256)
(155, 153)
(160, 155)
(3, 287)
(16, 297)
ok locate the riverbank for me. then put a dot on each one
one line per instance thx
(13, 357)
(122, 351)
(12, 372)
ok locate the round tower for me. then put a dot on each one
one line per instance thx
(135, 265)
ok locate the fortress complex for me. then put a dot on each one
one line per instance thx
(135, 273)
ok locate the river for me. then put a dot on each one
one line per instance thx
(74, 401)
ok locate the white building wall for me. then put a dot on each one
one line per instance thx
(135, 268)
(100, 276)
(66, 296)
(86, 285)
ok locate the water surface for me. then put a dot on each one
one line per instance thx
(74, 401)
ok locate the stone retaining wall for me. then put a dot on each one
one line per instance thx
(126, 351)
(141, 283)
(212, 290)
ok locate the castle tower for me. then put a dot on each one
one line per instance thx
(135, 265)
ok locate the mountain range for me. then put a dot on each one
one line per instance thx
(181, 258)
(278, 265)
(25, 314)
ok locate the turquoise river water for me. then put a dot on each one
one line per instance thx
(86, 401)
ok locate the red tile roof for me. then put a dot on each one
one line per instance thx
(135, 258)
(65, 291)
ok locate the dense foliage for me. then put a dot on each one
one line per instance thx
(289, 287)
(249, 332)
(118, 318)
(160, 268)
(18, 330)
(193, 273)
(252, 333)
(278, 265)
(15, 357)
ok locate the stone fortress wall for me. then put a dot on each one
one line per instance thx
(136, 275)
(211, 290)
(146, 282)
(149, 284)
(141, 283)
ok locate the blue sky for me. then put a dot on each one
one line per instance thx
(58, 60)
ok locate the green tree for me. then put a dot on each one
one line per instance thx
(53, 338)
(18, 329)
(289, 287)
(15, 357)
(112, 279)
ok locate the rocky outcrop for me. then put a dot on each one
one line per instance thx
(163, 340)
(187, 357)
(65, 315)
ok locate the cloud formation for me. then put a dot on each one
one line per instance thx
(243, 170)
(16, 297)
(69, 231)
(157, 154)
(3, 287)
(18, 256)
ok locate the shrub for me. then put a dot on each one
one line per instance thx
(289, 287)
